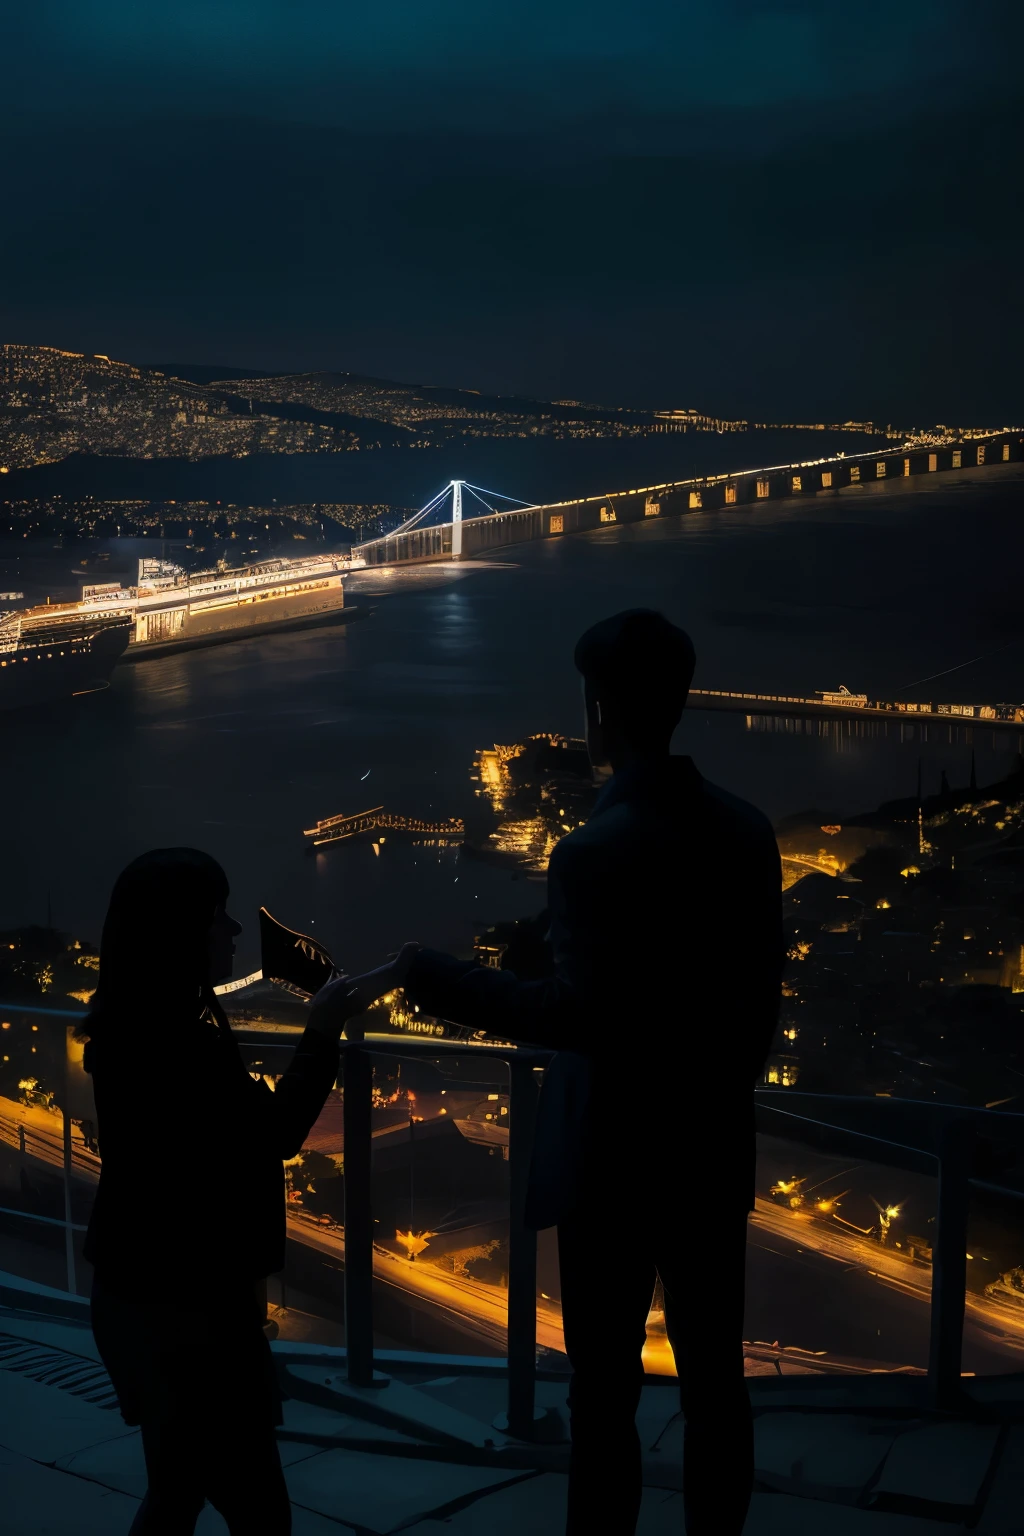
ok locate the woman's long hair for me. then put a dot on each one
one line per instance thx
(154, 950)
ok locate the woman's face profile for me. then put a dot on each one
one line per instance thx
(223, 932)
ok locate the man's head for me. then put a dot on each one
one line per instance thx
(637, 669)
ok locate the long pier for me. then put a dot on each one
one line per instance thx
(336, 829)
(839, 707)
(467, 538)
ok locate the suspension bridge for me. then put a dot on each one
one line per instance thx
(452, 498)
(465, 520)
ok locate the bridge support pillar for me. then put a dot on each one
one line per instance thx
(457, 519)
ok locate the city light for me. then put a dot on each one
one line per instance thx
(414, 1242)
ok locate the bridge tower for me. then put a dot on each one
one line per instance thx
(387, 550)
(457, 519)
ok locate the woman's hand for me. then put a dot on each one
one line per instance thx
(346, 997)
(332, 1006)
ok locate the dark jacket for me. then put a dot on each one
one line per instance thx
(191, 1193)
(666, 928)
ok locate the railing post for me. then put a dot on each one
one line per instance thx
(949, 1265)
(358, 1093)
(69, 1235)
(522, 1255)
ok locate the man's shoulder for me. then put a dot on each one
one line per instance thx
(746, 818)
(612, 826)
(700, 810)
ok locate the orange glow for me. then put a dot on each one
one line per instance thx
(414, 1242)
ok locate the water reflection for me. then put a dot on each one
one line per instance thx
(842, 735)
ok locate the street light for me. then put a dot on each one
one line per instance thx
(887, 1214)
(414, 1242)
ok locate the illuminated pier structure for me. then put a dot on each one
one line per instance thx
(336, 829)
(841, 703)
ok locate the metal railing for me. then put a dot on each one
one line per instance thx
(524, 1066)
(969, 1148)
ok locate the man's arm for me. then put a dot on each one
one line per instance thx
(552, 1013)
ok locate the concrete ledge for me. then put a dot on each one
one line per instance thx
(29, 1296)
(396, 1406)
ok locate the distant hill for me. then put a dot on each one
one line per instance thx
(55, 404)
(205, 373)
(349, 387)
(419, 406)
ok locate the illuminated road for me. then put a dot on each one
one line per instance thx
(999, 1324)
(484, 1307)
(44, 1136)
(796, 865)
(481, 1309)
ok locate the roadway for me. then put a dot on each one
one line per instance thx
(989, 1323)
(481, 1309)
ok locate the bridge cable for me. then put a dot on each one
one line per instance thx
(430, 507)
(500, 495)
(480, 499)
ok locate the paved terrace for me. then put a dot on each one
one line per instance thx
(857, 1456)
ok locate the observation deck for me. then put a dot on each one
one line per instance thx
(385, 1431)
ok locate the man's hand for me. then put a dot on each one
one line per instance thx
(366, 989)
(401, 963)
(346, 997)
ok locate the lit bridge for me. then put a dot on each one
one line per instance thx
(336, 829)
(463, 521)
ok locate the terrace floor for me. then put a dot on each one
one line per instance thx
(853, 1456)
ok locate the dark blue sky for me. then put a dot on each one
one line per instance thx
(791, 208)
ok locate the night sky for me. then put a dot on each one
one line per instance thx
(792, 209)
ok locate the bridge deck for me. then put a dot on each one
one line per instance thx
(475, 536)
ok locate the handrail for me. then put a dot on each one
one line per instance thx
(962, 1156)
(521, 1349)
(523, 1063)
(955, 1141)
(50, 1221)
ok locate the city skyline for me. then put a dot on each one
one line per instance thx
(55, 403)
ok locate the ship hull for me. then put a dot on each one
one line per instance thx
(245, 630)
(41, 674)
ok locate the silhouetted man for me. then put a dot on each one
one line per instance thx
(666, 930)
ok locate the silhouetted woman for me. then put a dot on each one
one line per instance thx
(189, 1217)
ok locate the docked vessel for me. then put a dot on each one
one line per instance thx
(45, 657)
(170, 609)
(840, 702)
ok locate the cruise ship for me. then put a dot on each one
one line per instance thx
(170, 609)
(44, 657)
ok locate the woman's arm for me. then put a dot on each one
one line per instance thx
(291, 1110)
